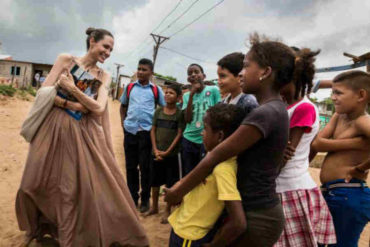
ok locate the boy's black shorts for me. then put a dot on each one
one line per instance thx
(165, 171)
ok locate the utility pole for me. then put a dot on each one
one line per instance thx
(117, 80)
(158, 41)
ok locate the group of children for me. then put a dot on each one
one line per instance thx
(245, 157)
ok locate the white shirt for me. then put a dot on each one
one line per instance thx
(295, 174)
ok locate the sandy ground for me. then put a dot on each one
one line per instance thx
(13, 153)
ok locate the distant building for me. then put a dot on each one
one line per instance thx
(325, 111)
(125, 80)
(22, 73)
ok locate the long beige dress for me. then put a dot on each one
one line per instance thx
(72, 186)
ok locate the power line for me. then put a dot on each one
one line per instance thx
(184, 55)
(177, 5)
(179, 17)
(204, 13)
(144, 40)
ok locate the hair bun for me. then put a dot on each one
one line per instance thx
(90, 30)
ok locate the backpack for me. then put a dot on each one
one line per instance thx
(154, 90)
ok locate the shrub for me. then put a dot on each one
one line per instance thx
(7, 90)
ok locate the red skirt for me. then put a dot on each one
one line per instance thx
(307, 219)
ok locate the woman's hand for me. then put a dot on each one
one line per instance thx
(66, 81)
(75, 106)
(171, 196)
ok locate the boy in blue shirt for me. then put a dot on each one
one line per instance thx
(138, 103)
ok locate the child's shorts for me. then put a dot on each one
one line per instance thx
(177, 241)
(349, 205)
(165, 171)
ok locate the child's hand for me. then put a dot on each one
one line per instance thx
(170, 195)
(158, 158)
(354, 172)
(288, 152)
(163, 153)
(195, 87)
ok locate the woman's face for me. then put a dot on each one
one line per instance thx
(102, 49)
(252, 72)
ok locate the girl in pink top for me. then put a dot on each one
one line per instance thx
(307, 219)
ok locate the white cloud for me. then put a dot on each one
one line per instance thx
(6, 15)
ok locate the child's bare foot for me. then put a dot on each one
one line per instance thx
(164, 220)
(152, 212)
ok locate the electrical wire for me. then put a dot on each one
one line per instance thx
(184, 55)
(144, 40)
(179, 17)
(204, 13)
(177, 5)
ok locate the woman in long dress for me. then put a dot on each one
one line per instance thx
(72, 188)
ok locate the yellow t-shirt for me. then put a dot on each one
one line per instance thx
(202, 206)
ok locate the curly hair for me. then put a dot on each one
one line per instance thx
(304, 71)
(225, 117)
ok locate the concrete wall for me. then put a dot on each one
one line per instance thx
(21, 80)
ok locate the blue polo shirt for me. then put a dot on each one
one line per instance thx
(141, 107)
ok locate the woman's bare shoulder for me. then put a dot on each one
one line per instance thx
(64, 57)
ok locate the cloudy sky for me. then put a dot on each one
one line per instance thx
(38, 30)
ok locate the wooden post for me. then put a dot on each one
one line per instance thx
(158, 41)
(117, 80)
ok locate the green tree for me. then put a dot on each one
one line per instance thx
(165, 77)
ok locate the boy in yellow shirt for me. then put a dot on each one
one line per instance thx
(194, 221)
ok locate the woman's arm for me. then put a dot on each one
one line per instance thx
(95, 106)
(234, 226)
(62, 63)
(243, 138)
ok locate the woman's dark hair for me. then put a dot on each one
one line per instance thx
(225, 117)
(96, 33)
(304, 71)
(195, 64)
(289, 64)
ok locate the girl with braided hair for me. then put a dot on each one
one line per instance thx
(308, 221)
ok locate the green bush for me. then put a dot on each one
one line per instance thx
(7, 90)
(31, 90)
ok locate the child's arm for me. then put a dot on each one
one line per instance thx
(189, 109)
(323, 143)
(326, 84)
(360, 171)
(243, 138)
(123, 113)
(234, 226)
(154, 144)
(295, 136)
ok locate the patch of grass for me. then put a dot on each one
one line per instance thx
(31, 90)
(7, 90)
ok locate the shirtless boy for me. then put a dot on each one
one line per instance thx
(344, 171)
